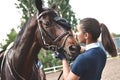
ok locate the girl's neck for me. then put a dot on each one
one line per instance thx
(90, 41)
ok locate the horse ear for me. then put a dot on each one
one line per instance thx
(38, 4)
(54, 6)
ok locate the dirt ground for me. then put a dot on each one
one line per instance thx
(112, 69)
(110, 72)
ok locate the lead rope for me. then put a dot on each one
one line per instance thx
(60, 75)
(62, 72)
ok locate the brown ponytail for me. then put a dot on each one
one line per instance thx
(107, 41)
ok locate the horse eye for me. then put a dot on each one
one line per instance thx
(47, 23)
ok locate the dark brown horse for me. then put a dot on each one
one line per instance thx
(1, 57)
(38, 67)
(47, 30)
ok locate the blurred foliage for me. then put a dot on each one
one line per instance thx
(10, 38)
(65, 11)
(115, 35)
(28, 9)
(47, 58)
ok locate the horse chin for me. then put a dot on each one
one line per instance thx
(70, 57)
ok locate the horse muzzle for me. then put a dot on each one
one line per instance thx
(73, 52)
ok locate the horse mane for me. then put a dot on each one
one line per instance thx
(20, 34)
(2, 50)
(1, 57)
(1, 53)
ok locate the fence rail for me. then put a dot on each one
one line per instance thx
(53, 69)
(58, 68)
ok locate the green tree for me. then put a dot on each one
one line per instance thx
(115, 35)
(65, 10)
(48, 59)
(28, 9)
(10, 38)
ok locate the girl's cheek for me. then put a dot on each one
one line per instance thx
(79, 36)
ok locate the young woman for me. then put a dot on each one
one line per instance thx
(90, 64)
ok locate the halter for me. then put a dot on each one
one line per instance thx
(53, 47)
(54, 41)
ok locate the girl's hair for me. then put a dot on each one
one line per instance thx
(92, 26)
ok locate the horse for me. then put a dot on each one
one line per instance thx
(47, 30)
(38, 64)
(1, 57)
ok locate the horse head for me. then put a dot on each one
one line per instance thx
(54, 32)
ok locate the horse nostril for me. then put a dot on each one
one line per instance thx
(72, 47)
(74, 51)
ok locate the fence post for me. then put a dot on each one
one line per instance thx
(54, 68)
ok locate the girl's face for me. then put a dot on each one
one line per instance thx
(80, 34)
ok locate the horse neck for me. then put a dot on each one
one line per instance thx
(26, 50)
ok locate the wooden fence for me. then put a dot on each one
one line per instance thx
(58, 68)
(53, 69)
